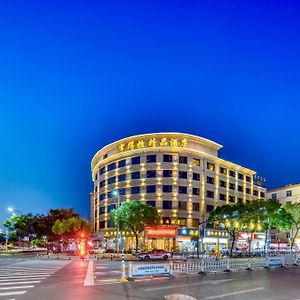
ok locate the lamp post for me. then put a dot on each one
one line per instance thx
(123, 276)
(117, 194)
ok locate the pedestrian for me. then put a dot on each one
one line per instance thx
(111, 257)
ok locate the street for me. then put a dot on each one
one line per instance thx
(32, 278)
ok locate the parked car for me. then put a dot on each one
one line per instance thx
(155, 254)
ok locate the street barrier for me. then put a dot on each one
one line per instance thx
(146, 270)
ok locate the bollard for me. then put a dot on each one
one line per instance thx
(227, 267)
(171, 268)
(130, 270)
(249, 265)
(201, 267)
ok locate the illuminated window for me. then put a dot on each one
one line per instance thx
(122, 163)
(135, 190)
(196, 176)
(167, 188)
(122, 177)
(111, 180)
(210, 166)
(223, 170)
(135, 175)
(196, 162)
(111, 166)
(182, 189)
(183, 159)
(168, 158)
(196, 206)
(241, 176)
(210, 180)
(196, 191)
(231, 173)
(181, 222)
(151, 189)
(167, 173)
(167, 204)
(195, 223)
(135, 160)
(151, 158)
(152, 203)
(151, 174)
(182, 175)
(222, 197)
(209, 194)
(182, 205)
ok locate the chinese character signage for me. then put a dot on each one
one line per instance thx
(153, 142)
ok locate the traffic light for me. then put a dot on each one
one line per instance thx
(82, 246)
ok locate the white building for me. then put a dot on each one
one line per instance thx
(288, 193)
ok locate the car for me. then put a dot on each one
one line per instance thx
(155, 254)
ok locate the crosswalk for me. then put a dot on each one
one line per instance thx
(16, 279)
(104, 274)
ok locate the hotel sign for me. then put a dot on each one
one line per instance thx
(156, 232)
(153, 142)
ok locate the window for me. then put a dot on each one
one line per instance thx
(273, 196)
(167, 188)
(196, 206)
(196, 176)
(210, 166)
(248, 191)
(151, 203)
(255, 193)
(96, 189)
(122, 177)
(209, 208)
(223, 170)
(195, 223)
(122, 191)
(111, 180)
(209, 194)
(262, 194)
(241, 176)
(223, 197)
(240, 188)
(248, 178)
(183, 159)
(196, 162)
(231, 186)
(102, 170)
(223, 183)
(102, 183)
(182, 205)
(182, 175)
(122, 163)
(240, 200)
(288, 193)
(181, 222)
(151, 189)
(102, 210)
(102, 225)
(167, 173)
(135, 160)
(102, 196)
(182, 189)
(168, 158)
(111, 207)
(111, 167)
(135, 190)
(135, 175)
(151, 174)
(167, 204)
(105, 156)
(210, 180)
(231, 173)
(110, 194)
(151, 158)
(96, 178)
(231, 199)
(196, 191)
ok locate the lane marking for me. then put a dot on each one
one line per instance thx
(89, 278)
(20, 282)
(13, 293)
(236, 293)
(187, 284)
(22, 278)
(179, 297)
(17, 287)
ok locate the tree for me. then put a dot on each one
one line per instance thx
(231, 218)
(133, 215)
(294, 210)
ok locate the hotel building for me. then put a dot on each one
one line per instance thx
(179, 174)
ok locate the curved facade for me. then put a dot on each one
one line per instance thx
(180, 174)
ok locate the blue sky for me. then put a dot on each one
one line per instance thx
(77, 75)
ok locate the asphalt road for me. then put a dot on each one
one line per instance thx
(31, 278)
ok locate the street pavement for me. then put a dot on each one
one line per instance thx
(42, 279)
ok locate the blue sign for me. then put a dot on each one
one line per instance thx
(275, 261)
(150, 269)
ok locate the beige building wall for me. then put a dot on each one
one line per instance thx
(288, 193)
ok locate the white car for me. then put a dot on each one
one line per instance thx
(155, 254)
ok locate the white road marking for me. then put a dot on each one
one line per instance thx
(89, 278)
(235, 293)
(20, 282)
(22, 278)
(179, 297)
(187, 284)
(17, 287)
(12, 293)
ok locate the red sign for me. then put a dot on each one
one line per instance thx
(156, 232)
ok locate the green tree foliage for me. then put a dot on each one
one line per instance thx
(294, 210)
(71, 226)
(134, 216)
